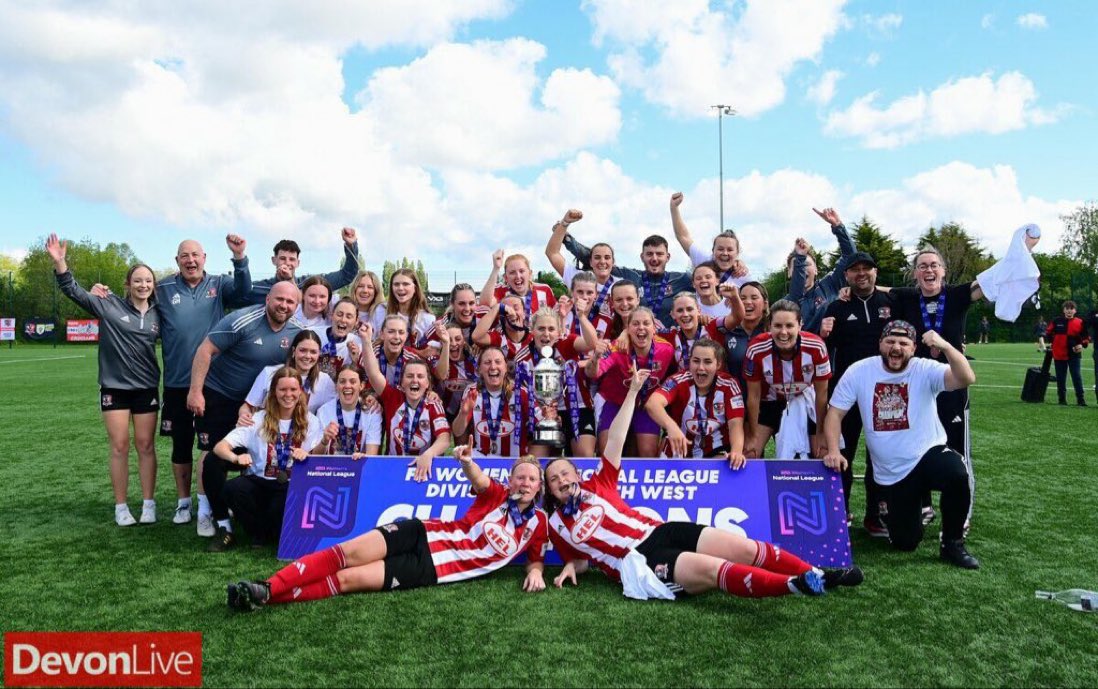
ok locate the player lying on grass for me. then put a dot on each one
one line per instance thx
(590, 523)
(502, 523)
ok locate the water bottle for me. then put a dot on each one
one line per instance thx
(1076, 599)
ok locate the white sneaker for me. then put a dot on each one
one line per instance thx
(122, 517)
(148, 514)
(182, 514)
(205, 525)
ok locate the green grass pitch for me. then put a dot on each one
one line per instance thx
(915, 621)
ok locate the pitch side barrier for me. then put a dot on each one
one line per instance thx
(795, 504)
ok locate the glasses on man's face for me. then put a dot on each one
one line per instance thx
(928, 266)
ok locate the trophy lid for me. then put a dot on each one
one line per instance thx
(547, 351)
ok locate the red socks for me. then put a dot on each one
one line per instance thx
(752, 582)
(325, 588)
(774, 559)
(307, 570)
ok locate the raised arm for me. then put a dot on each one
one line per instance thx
(478, 480)
(960, 373)
(556, 240)
(619, 428)
(481, 335)
(347, 272)
(369, 359)
(442, 366)
(731, 295)
(682, 233)
(234, 292)
(588, 335)
(488, 294)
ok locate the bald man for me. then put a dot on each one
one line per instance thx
(225, 365)
(190, 303)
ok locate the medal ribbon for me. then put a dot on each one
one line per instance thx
(410, 428)
(347, 435)
(654, 299)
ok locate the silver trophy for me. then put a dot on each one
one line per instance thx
(548, 389)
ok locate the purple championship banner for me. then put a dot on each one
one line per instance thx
(795, 504)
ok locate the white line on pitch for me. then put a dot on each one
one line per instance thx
(52, 358)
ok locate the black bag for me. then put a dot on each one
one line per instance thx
(1037, 378)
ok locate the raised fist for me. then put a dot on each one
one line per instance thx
(349, 236)
(676, 199)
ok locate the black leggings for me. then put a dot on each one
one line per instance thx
(940, 469)
(214, 475)
(259, 504)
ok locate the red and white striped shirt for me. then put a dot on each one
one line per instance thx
(504, 445)
(430, 338)
(484, 539)
(540, 295)
(723, 402)
(510, 348)
(782, 379)
(461, 375)
(393, 371)
(605, 529)
(601, 321)
(431, 423)
(684, 344)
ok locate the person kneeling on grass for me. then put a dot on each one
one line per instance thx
(282, 433)
(589, 522)
(502, 523)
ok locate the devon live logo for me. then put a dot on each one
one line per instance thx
(103, 659)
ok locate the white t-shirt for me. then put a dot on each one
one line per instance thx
(899, 413)
(718, 310)
(331, 364)
(263, 452)
(698, 256)
(418, 330)
(367, 432)
(320, 320)
(323, 390)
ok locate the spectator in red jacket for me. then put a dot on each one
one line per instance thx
(1069, 337)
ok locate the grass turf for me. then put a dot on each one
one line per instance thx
(914, 622)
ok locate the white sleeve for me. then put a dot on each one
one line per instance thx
(325, 415)
(242, 435)
(324, 393)
(314, 434)
(934, 372)
(846, 392)
(371, 429)
(698, 255)
(377, 318)
(258, 394)
(424, 321)
(570, 271)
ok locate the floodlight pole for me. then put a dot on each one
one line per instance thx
(722, 110)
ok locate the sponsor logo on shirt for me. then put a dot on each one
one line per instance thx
(884, 312)
(851, 317)
(587, 523)
(501, 541)
(176, 299)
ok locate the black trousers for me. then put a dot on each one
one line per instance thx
(953, 413)
(851, 431)
(941, 469)
(1073, 365)
(258, 504)
(215, 472)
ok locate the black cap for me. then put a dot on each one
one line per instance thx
(899, 328)
(860, 257)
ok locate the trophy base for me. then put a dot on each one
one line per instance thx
(549, 435)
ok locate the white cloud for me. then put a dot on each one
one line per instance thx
(882, 26)
(823, 91)
(873, 59)
(987, 201)
(987, 21)
(1032, 20)
(470, 106)
(962, 106)
(686, 56)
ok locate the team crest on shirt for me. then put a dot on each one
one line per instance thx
(501, 541)
(108, 401)
(587, 522)
(166, 426)
(176, 299)
(154, 328)
(806, 368)
(884, 312)
(284, 343)
(718, 408)
(819, 300)
(211, 293)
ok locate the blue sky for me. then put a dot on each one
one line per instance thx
(442, 130)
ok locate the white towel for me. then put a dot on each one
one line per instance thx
(1013, 279)
(792, 441)
(639, 582)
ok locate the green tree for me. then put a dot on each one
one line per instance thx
(550, 277)
(870, 238)
(387, 270)
(964, 257)
(1080, 240)
(390, 267)
(38, 294)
